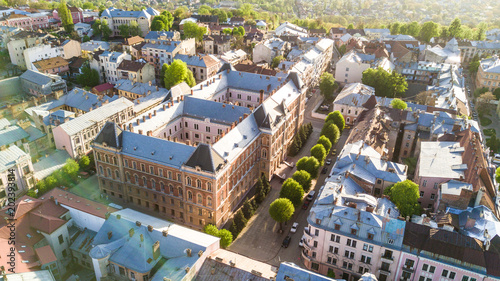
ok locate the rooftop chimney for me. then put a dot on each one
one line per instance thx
(131, 232)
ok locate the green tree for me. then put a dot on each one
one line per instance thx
(455, 29)
(399, 104)
(124, 30)
(308, 164)
(266, 186)
(319, 152)
(429, 30)
(479, 91)
(50, 182)
(226, 238)
(96, 26)
(227, 31)
(105, 29)
(325, 142)
(211, 229)
(302, 134)
(71, 168)
(84, 162)
(85, 38)
(181, 13)
(295, 146)
(134, 29)
(157, 24)
(327, 86)
(331, 131)
(259, 192)
(350, 26)
(413, 29)
(88, 6)
(176, 73)
(240, 221)
(395, 28)
(65, 16)
(496, 93)
(204, 10)
(386, 84)
(405, 195)
(292, 190)
(192, 30)
(247, 209)
(337, 118)
(281, 210)
(303, 178)
(474, 66)
(481, 31)
(497, 175)
(276, 61)
(164, 21)
(88, 78)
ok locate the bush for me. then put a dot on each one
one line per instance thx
(240, 221)
(226, 238)
(84, 162)
(211, 229)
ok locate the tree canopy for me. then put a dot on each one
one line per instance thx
(327, 86)
(429, 30)
(337, 118)
(162, 22)
(331, 131)
(319, 152)
(405, 195)
(276, 61)
(303, 178)
(176, 73)
(65, 16)
(281, 210)
(88, 78)
(325, 142)
(226, 237)
(192, 30)
(292, 190)
(455, 29)
(386, 84)
(308, 164)
(399, 104)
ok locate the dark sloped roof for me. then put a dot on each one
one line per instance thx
(110, 134)
(129, 65)
(205, 158)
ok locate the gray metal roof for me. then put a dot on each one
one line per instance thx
(9, 156)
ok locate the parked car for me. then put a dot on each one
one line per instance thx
(286, 242)
(324, 170)
(306, 204)
(310, 195)
(328, 161)
(496, 159)
(295, 225)
(301, 242)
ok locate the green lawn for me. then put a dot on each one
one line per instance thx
(485, 121)
(89, 188)
(489, 132)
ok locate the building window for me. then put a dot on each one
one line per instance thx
(368, 248)
(200, 199)
(366, 259)
(335, 238)
(337, 226)
(351, 243)
(188, 181)
(198, 183)
(209, 186)
(424, 184)
(209, 201)
(190, 195)
(421, 194)
(61, 239)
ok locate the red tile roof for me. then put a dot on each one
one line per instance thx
(74, 201)
(103, 87)
(45, 255)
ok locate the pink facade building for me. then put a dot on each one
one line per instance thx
(28, 22)
(76, 14)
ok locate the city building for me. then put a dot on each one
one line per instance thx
(349, 69)
(39, 84)
(16, 172)
(153, 155)
(21, 41)
(106, 63)
(470, 49)
(288, 28)
(55, 65)
(25, 136)
(234, 57)
(134, 90)
(76, 14)
(117, 17)
(217, 44)
(267, 50)
(136, 71)
(203, 67)
(29, 22)
(488, 73)
(76, 135)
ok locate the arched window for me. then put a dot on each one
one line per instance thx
(144, 182)
(162, 186)
(108, 170)
(200, 199)
(209, 186)
(190, 195)
(136, 179)
(153, 184)
(101, 170)
(198, 183)
(99, 156)
(264, 153)
(180, 192)
(107, 158)
(127, 176)
(171, 188)
(188, 181)
(115, 161)
(209, 201)
(117, 175)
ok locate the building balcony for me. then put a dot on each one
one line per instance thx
(408, 269)
(385, 271)
(387, 258)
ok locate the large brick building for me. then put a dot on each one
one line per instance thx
(193, 159)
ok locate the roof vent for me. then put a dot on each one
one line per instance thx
(138, 223)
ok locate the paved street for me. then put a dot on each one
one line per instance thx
(260, 239)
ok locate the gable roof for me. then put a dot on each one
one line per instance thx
(206, 158)
(110, 135)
